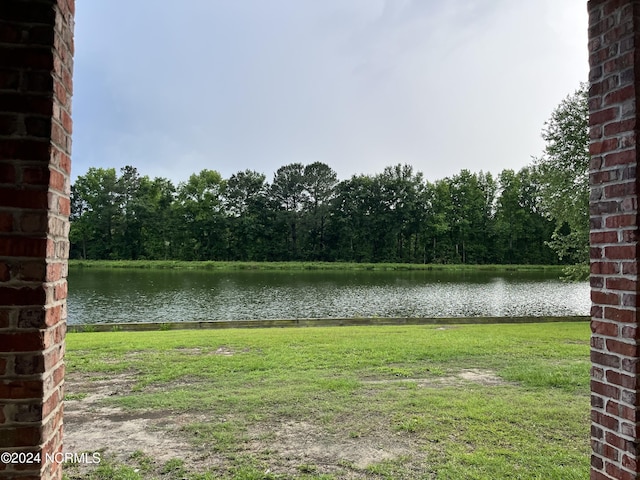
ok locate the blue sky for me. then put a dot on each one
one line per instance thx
(176, 87)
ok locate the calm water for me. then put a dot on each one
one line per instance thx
(114, 296)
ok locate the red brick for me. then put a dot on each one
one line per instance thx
(605, 359)
(598, 344)
(619, 315)
(6, 222)
(604, 116)
(55, 335)
(622, 348)
(620, 158)
(618, 221)
(604, 268)
(605, 420)
(10, 197)
(617, 96)
(20, 437)
(610, 468)
(64, 206)
(596, 311)
(630, 332)
(34, 222)
(629, 463)
(601, 207)
(597, 401)
(5, 272)
(36, 175)
(29, 364)
(625, 381)
(597, 373)
(604, 237)
(596, 462)
(7, 173)
(630, 430)
(21, 342)
(53, 358)
(630, 365)
(596, 148)
(53, 315)
(604, 328)
(610, 391)
(22, 296)
(13, 389)
(52, 403)
(61, 291)
(620, 190)
(623, 284)
(57, 181)
(629, 300)
(605, 298)
(614, 128)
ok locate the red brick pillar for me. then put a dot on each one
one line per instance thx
(36, 49)
(614, 57)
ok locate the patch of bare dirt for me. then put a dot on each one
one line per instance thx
(89, 425)
(93, 425)
(303, 443)
(459, 379)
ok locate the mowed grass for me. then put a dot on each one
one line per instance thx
(396, 386)
(298, 265)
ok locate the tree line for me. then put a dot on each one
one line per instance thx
(306, 213)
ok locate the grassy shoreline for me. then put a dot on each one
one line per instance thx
(461, 401)
(230, 266)
(315, 322)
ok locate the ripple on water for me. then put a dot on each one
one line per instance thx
(131, 296)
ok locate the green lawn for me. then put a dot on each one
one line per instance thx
(225, 266)
(454, 402)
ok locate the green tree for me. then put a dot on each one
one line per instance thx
(319, 181)
(520, 229)
(95, 214)
(155, 211)
(250, 218)
(200, 208)
(472, 197)
(288, 193)
(352, 232)
(563, 176)
(438, 223)
(401, 211)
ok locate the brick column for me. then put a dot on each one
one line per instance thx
(36, 49)
(614, 57)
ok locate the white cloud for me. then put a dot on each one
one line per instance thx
(358, 84)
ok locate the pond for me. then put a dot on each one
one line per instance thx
(121, 296)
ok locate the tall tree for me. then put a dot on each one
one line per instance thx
(155, 211)
(402, 201)
(200, 204)
(563, 176)
(96, 213)
(471, 200)
(288, 192)
(249, 216)
(319, 181)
